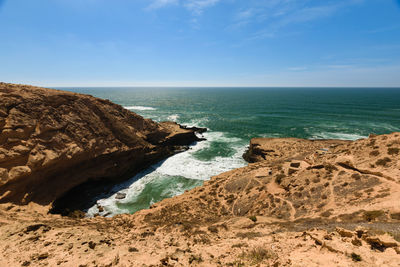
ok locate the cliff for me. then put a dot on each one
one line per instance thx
(299, 203)
(308, 203)
(52, 141)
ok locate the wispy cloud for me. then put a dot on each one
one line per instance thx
(162, 3)
(197, 7)
(244, 17)
(245, 14)
(277, 14)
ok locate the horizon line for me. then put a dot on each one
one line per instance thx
(204, 86)
(219, 86)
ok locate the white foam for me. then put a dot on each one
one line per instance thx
(184, 164)
(200, 122)
(341, 136)
(110, 204)
(384, 126)
(270, 135)
(139, 108)
(173, 117)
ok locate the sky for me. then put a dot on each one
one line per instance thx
(200, 42)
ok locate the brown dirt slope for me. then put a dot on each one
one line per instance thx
(300, 203)
(335, 205)
(52, 141)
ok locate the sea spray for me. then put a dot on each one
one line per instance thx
(172, 176)
(140, 108)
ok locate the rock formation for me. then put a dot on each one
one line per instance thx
(299, 203)
(52, 141)
(299, 179)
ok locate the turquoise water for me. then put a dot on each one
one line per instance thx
(233, 116)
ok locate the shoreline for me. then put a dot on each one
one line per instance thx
(90, 192)
(238, 215)
(54, 141)
(301, 202)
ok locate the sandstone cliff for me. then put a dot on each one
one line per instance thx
(308, 203)
(52, 141)
(299, 179)
(300, 203)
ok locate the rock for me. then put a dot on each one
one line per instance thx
(344, 233)
(356, 242)
(212, 220)
(120, 195)
(254, 153)
(19, 171)
(381, 243)
(360, 231)
(264, 172)
(291, 171)
(133, 249)
(3, 175)
(42, 256)
(196, 129)
(261, 149)
(295, 164)
(92, 245)
(52, 141)
(20, 149)
(100, 208)
(35, 227)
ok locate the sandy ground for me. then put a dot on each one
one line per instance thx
(305, 203)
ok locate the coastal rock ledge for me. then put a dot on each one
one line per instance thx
(52, 141)
(299, 203)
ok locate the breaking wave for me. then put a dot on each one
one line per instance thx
(140, 108)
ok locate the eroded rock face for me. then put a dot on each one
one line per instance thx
(308, 203)
(295, 179)
(52, 141)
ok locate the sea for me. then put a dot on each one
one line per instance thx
(233, 116)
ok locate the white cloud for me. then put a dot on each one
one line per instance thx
(162, 3)
(198, 6)
(245, 14)
(277, 14)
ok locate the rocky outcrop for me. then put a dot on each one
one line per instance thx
(314, 203)
(52, 141)
(295, 179)
(261, 149)
(299, 203)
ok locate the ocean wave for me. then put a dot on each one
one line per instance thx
(341, 136)
(173, 117)
(383, 126)
(184, 165)
(199, 122)
(139, 108)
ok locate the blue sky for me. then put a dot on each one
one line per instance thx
(200, 42)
